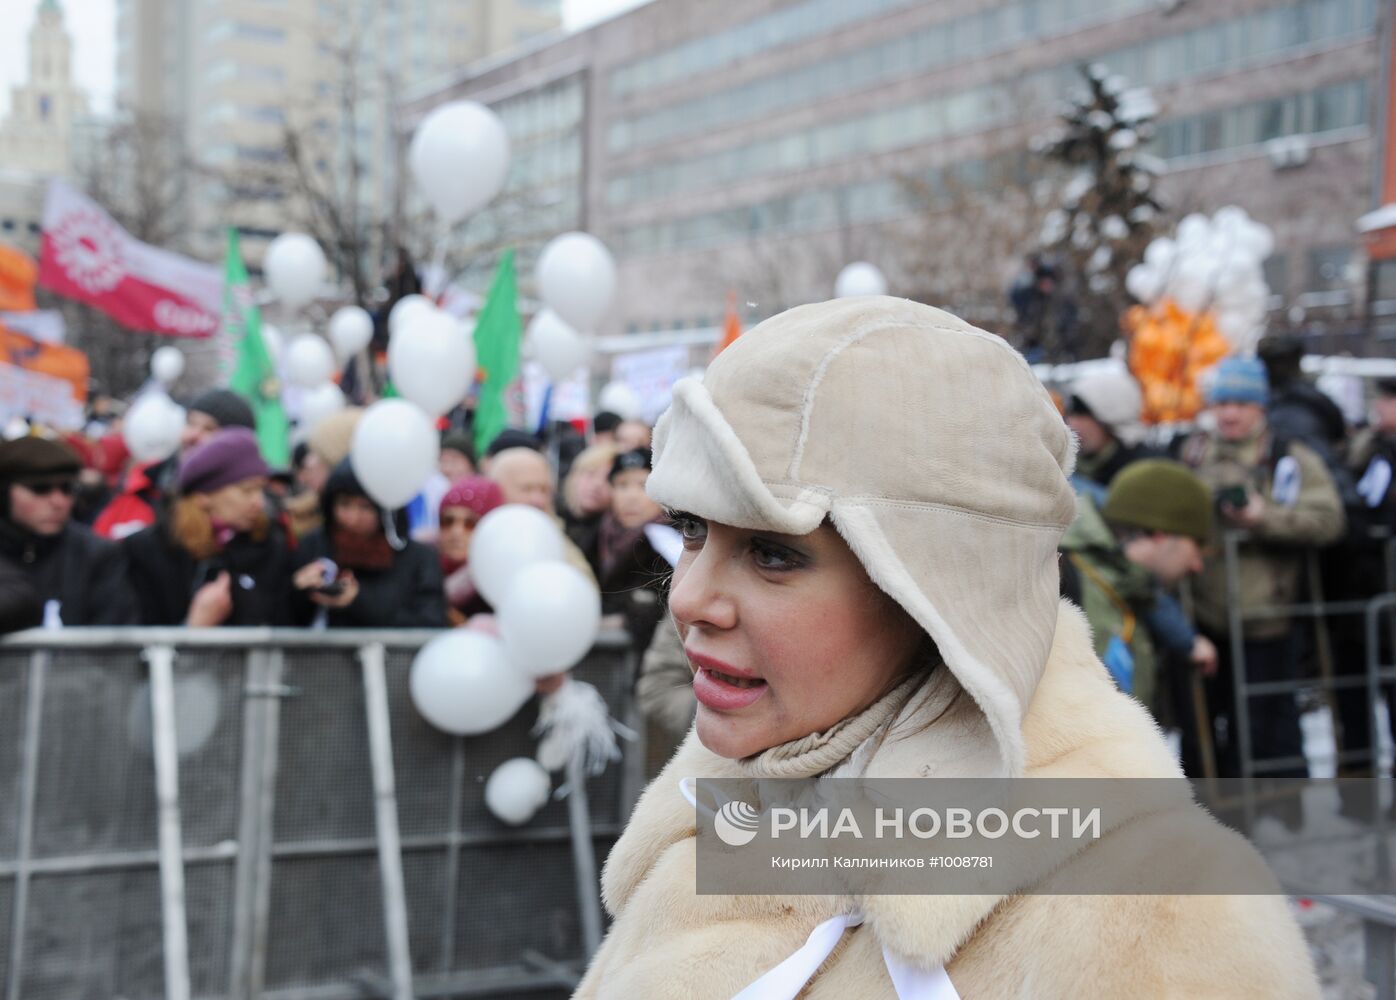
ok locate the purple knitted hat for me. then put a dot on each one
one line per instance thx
(228, 456)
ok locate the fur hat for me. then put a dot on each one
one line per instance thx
(930, 446)
(36, 457)
(332, 437)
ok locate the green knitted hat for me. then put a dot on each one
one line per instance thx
(1159, 495)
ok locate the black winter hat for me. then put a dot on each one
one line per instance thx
(343, 482)
(35, 457)
(635, 458)
(511, 437)
(461, 441)
(226, 407)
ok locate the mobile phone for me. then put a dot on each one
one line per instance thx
(1233, 496)
(331, 585)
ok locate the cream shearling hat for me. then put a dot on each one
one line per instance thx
(931, 447)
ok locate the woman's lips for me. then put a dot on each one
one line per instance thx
(719, 686)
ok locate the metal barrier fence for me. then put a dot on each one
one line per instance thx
(242, 813)
(1321, 613)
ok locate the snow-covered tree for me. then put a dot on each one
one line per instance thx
(1108, 213)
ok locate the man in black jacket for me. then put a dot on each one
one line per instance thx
(80, 579)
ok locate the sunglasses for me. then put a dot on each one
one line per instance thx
(64, 486)
(459, 520)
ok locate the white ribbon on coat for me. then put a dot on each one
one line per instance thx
(786, 980)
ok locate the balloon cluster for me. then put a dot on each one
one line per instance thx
(467, 682)
(576, 278)
(1210, 265)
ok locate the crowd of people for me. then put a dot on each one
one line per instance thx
(212, 537)
(1310, 503)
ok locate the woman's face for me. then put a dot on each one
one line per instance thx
(239, 505)
(591, 492)
(786, 634)
(630, 503)
(457, 528)
(356, 515)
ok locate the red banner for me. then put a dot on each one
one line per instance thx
(86, 256)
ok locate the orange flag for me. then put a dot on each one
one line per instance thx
(731, 325)
(18, 272)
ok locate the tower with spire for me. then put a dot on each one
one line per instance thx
(36, 137)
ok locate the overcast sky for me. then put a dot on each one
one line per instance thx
(92, 24)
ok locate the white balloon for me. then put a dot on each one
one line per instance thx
(167, 365)
(1160, 253)
(1144, 283)
(309, 361)
(459, 157)
(507, 540)
(463, 683)
(549, 619)
(431, 361)
(859, 278)
(517, 789)
(152, 427)
(295, 268)
(318, 403)
(1194, 230)
(394, 451)
(351, 329)
(274, 341)
(576, 279)
(560, 349)
(620, 399)
(406, 310)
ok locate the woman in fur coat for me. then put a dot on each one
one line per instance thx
(871, 493)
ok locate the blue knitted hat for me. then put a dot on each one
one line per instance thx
(1240, 380)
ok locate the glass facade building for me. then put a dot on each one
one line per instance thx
(761, 129)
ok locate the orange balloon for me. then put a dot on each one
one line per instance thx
(1169, 349)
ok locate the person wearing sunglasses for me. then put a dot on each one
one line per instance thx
(79, 578)
(467, 501)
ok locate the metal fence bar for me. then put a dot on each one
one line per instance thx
(176, 928)
(385, 816)
(1235, 625)
(453, 847)
(86, 864)
(29, 790)
(270, 709)
(249, 827)
(584, 856)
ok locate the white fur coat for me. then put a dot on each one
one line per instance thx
(668, 943)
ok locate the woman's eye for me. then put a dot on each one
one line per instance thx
(690, 528)
(774, 557)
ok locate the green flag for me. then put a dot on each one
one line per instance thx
(497, 353)
(254, 377)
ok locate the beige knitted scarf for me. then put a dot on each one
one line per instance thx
(819, 753)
